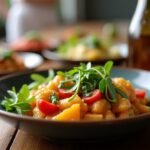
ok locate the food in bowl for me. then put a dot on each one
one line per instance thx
(10, 61)
(82, 93)
(89, 48)
(32, 41)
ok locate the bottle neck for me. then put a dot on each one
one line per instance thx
(146, 3)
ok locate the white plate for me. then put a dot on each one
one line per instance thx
(122, 48)
(31, 60)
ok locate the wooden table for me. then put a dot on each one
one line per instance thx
(15, 139)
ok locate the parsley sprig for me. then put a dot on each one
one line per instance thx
(54, 98)
(39, 79)
(18, 102)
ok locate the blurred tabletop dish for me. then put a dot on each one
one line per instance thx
(52, 35)
(15, 139)
(61, 33)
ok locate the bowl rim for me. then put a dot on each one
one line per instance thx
(80, 122)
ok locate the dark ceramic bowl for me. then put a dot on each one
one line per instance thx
(79, 131)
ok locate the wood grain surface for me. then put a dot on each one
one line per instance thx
(7, 134)
(25, 141)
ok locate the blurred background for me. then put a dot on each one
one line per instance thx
(63, 33)
(67, 11)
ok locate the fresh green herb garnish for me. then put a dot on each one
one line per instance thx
(87, 78)
(39, 79)
(18, 102)
(54, 98)
(90, 41)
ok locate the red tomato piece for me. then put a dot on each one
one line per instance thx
(63, 94)
(47, 108)
(96, 95)
(140, 93)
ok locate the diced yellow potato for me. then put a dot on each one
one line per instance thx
(84, 109)
(37, 113)
(93, 117)
(53, 85)
(125, 86)
(100, 107)
(43, 93)
(109, 115)
(69, 114)
(143, 101)
(131, 112)
(124, 114)
(58, 79)
(142, 108)
(121, 105)
(135, 110)
(63, 104)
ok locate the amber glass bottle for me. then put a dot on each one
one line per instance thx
(139, 36)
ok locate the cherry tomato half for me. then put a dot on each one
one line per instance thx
(140, 93)
(63, 94)
(96, 95)
(46, 107)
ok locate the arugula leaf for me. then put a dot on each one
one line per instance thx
(86, 88)
(108, 67)
(121, 93)
(111, 89)
(88, 66)
(37, 77)
(102, 85)
(77, 88)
